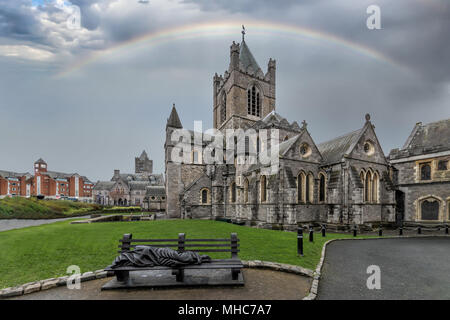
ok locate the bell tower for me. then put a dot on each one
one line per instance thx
(243, 94)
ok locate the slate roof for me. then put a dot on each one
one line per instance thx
(10, 174)
(286, 145)
(40, 160)
(247, 59)
(174, 120)
(276, 120)
(156, 191)
(138, 185)
(424, 139)
(332, 151)
(86, 180)
(58, 175)
(104, 185)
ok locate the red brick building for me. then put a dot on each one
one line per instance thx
(15, 184)
(51, 184)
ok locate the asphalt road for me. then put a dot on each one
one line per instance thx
(414, 268)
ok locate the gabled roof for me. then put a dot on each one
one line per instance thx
(247, 59)
(286, 145)
(40, 160)
(143, 155)
(104, 185)
(334, 150)
(174, 120)
(429, 138)
(275, 119)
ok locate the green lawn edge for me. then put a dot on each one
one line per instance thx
(46, 251)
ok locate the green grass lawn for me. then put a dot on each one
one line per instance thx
(32, 208)
(42, 252)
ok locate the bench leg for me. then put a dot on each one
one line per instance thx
(235, 273)
(179, 274)
(122, 276)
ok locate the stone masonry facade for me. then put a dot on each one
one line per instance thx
(345, 181)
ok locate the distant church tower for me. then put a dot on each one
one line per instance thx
(143, 164)
(244, 94)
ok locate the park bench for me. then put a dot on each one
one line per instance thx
(182, 244)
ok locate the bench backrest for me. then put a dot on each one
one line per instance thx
(182, 244)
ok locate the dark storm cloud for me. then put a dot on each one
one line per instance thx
(121, 101)
(17, 20)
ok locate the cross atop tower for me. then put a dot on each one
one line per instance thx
(243, 32)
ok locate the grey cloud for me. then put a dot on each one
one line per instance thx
(246, 6)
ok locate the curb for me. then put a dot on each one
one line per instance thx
(257, 264)
(317, 273)
(41, 285)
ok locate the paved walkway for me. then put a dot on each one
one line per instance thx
(9, 224)
(259, 285)
(414, 268)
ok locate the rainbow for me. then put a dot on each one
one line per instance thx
(207, 29)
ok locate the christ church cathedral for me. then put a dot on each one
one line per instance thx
(343, 182)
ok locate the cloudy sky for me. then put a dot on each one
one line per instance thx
(90, 97)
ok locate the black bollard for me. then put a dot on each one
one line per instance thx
(323, 231)
(446, 229)
(419, 230)
(400, 231)
(311, 234)
(300, 241)
(380, 232)
(354, 231)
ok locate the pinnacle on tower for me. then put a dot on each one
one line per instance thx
(174, 120)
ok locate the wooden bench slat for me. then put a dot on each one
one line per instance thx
(205, 250)
(212, 265)
(186, 245)
(176, 240)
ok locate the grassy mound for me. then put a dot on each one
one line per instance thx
(31, 208)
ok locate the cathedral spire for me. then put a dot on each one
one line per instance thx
(174, 119)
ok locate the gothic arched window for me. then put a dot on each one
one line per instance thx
(253, 102)
(246, 191)
(300, 187)
(233, 192)
(375, 184)
(223, 107)
(368, 187)
(309, 188)
(204, 196)
(263, 189)
(322, 187)
(429, 209)
(425, 172)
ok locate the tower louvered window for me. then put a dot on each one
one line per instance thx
(253, 102)
(223, 108)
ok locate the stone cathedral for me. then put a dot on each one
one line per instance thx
(345, 181)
